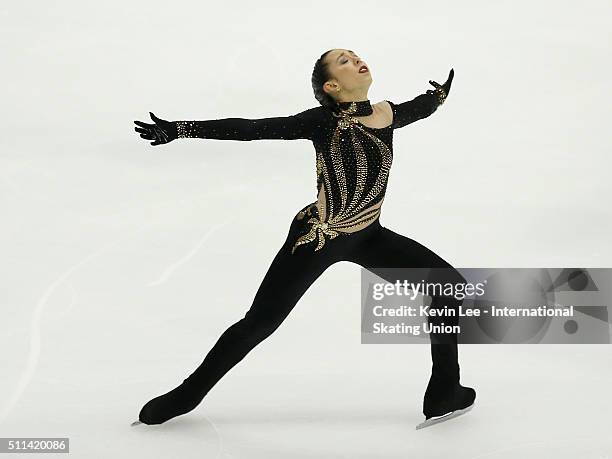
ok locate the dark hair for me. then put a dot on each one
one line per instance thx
(320, 75)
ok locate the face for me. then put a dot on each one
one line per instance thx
(348, 72)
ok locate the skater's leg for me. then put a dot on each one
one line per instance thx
(387, 249)
(286, 280)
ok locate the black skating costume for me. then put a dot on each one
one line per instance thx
(352, 169)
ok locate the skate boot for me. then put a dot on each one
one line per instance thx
(445, 398)
(178, 401)
(442, 405)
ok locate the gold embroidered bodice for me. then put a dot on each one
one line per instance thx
(352, 178)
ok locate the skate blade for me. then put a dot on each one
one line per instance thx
(135, 423)
(444, 417)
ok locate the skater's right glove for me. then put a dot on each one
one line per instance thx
(161, 132)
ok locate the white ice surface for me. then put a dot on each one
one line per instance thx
(122, 263)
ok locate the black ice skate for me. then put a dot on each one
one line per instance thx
(178, 401)
(459, 402)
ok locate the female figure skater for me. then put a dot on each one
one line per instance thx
(353, 143)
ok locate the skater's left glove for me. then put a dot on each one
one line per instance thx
(442, 91)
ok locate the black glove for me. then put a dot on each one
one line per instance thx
(161, 132)
(442, 90)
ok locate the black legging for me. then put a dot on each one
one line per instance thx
(288, 277)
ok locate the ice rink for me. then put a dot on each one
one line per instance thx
(122, 263)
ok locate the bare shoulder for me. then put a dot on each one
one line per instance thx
(386, 109)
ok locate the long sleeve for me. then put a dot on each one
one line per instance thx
(298, 126)
(418, 108)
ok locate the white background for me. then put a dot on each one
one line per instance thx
(122, 263)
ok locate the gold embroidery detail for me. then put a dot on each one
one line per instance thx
(441, 95)
(318, 228)
(354, 215)
(319, 165)
(307, 211)
(186, 129)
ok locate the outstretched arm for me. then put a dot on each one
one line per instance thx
(298, 126)
(422, 105)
